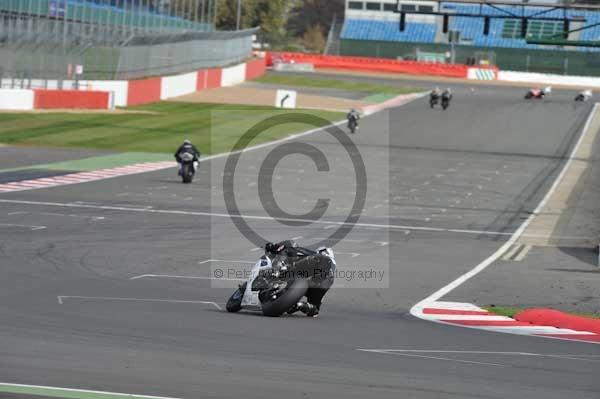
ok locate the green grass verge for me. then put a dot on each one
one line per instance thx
(326, 83)
(511, 311)
(66, 393)
(212, 128)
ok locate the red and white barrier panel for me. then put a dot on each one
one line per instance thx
(17, 100)
(178, 85)
(72, 99)
(233, 75)
(24, 100)
(107, 94)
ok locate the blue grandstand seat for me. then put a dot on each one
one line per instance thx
(359, 29)
(470, 28)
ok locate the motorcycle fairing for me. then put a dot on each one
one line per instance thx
(250, 299)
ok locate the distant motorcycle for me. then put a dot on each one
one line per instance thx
(353, 125)
(446, 101)
(584, 95)
(538, 93)
(433, 100)
(187, 167)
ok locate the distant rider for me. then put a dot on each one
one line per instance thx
(314, 295)
(353, 115)
(187, 146)
(447, 94)
(435, 93)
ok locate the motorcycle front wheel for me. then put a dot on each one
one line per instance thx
(234, 304)
(186, 173)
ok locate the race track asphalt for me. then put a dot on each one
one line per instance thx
(444, 191)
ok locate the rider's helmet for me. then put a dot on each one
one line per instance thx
(325, 251)
(186, 141)
(280, 246)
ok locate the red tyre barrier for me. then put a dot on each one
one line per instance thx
(255, 68)
(554, 318)
(143, 91)
(371, 64)
(74, 99)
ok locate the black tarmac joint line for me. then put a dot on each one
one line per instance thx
(445, 189)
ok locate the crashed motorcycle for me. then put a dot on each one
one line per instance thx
(278, 283)
(538, 93)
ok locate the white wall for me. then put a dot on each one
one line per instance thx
(16, 99)
(233, 75)
(384, 15)
(529, 77)
(119, 88)
(178, 85)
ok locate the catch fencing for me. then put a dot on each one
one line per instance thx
(39, 41)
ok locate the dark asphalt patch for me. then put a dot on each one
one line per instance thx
(31, 174)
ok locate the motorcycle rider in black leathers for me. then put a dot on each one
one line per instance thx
(435, 93)
(187, 146)
(314, 295)
(352, 115)
(447, 94)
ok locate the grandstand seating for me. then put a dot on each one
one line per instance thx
(388, 31)
(503, 32)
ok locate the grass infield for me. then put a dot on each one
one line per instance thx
(213, 128)
(327, 83)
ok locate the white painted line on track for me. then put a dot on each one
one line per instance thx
(61, 299)
(417, 309)
(385, 352)
(184, 277)
(583, 358)
(352, 254)
(224, 260)
(68, 392)
(94, 218)
(330, 224)
(23, 226)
